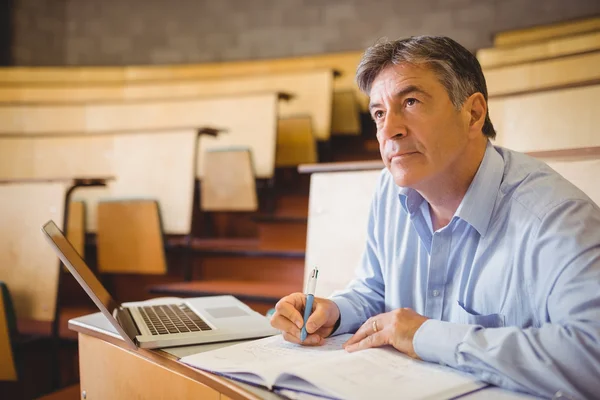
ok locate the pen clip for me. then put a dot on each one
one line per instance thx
(312, 281)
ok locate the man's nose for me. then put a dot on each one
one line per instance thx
(393, 127)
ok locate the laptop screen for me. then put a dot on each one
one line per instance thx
(78, 268)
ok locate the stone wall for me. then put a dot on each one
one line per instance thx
(94, 32)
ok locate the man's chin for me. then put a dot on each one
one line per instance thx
(403, 178)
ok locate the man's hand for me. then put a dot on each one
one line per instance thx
(396, 328)
(288, 318)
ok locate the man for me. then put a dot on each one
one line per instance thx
(477, 257)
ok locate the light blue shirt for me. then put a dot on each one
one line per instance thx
(511, 284)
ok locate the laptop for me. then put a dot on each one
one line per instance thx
(163, 323)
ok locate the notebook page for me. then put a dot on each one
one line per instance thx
(381, 373)
(266, 358)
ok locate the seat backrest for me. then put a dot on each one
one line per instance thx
(345, 118)
(130, 237)
(337, 227)
(229, 183)
(8, 369)
(295, 142)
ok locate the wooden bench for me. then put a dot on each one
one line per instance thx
(138, 159)
(576, 70)
(312, 92)
(494, 57)
(545, 32)
(557, 119)
(159, 165)
(344, 63)
(253, 124)
(28, 264)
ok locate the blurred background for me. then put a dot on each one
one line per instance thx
(193, 148)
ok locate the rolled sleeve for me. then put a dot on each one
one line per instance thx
(437, 341)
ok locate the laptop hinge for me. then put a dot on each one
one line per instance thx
(126, 321)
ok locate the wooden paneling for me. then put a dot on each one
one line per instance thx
(545, 32)
(557, 47)
(28, 264)
(129, 238)
(558, 119)
(111, 372)
(8, 370)
(337, 227)
(311, 90)
(295, 142)
(543, 75)
(228, 183)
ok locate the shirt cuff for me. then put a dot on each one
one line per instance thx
(348, 317)
(437, 341)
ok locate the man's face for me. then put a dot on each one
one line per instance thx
(420, 132)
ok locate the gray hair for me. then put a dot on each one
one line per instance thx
(456, 67)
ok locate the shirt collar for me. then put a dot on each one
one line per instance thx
(410, 199)
(477, 206)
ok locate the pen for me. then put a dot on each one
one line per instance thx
(310, 296)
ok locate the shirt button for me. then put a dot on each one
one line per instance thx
(435, 293)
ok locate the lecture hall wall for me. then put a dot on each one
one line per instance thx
(119, 32)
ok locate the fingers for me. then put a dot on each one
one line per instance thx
(375, 340)
(287, 310)
(311, 340)
(285, 325)
(364, 331)
(317, 319)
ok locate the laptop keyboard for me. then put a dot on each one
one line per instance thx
(172, 318)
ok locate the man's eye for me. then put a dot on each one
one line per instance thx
(411, 102)
(378, 114)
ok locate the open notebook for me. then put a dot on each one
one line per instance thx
(330, 371)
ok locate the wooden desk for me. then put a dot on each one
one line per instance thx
(110, 370)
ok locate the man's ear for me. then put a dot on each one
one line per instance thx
(477, 108)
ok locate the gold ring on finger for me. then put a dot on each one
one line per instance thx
(375, 326)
